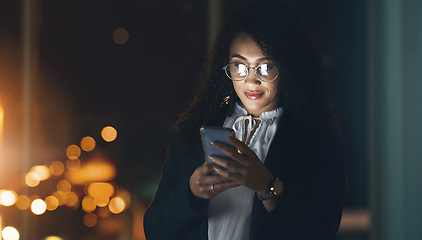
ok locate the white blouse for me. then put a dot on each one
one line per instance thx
(229, 213)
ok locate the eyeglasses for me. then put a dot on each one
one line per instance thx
(265, 72)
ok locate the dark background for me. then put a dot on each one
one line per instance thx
(140, 87)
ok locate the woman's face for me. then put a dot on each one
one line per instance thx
(256, 96)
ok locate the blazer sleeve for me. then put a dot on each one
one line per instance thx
(311, 205)
(174, 211)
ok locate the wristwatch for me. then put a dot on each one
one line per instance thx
(275, 187)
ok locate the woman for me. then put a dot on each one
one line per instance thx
(265, 81)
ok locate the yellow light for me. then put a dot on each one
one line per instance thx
(59, 196)
(73, 164)
(42, 171)
(10, 233)
(64, 187)
(57, 168)
(120, 36)
(32, 179)
(93, 171)
(90, 219)
(109, 134)
(100, 189)
(101, 201)
(52, 203)
(53, 238)
(8, 198)
(88, 144)
(38, 207)
(88, 204)
(73, 152)
(71, 199)
(23, 202)
(117, 205)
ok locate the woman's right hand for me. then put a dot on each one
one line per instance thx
(201, 182)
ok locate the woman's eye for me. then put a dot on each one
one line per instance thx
(241, 69)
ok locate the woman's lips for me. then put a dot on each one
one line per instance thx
(254, 95)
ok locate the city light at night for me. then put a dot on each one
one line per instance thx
(109, 134)
(38, 207)
(10, 233)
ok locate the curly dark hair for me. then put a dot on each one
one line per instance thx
(283, 39)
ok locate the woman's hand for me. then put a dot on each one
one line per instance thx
(248, 169)
(207, 186)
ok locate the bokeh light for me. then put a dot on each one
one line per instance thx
(109, 134)
(88, 204)
(59, 196)
(42, 171)
(8, 198)
(57, 168)
(90, 219)
(73, 152)
(32, 179)
(70, 199)
(117, 205)
(64, 187)
(73, 164)
(92, 171)
(101, 192)
(52, 203)
(10, 233)
(88, 144)
(53, 238)
(23, 202)
(38, 207)
(125, 196)
(100, 189)
(120, 36)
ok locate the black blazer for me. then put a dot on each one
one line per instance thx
(308, 159)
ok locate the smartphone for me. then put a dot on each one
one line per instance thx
(209, 134)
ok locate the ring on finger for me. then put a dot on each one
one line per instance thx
(212, 188)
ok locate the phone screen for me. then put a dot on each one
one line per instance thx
(209, 134)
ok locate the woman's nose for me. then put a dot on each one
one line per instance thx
(252, 78)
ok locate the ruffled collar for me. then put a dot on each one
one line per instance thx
(248, 127)
(265, 116)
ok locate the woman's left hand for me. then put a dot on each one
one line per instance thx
(247, 169)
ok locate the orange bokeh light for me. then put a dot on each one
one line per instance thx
(64, 187)
(42, 171)
(117, 205)
(88, 204)
(73, 152)
(70, 199)
(88, 144)
(92, 171)
(57, 168)
(52, 203)
(109, 134)
(32, 179)
(73, 164)
(90, 219)
(23, 202)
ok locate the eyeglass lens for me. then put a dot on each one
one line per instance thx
(238, 71)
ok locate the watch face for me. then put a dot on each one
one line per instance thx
(278, 187)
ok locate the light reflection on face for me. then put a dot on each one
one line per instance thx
(256, 96)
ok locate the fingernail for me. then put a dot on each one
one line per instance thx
(216, 169)
(212, 142)
(211, 157)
